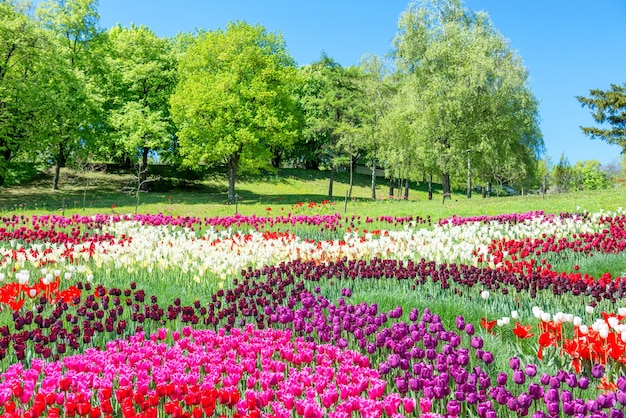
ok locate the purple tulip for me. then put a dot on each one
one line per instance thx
(460, 323)
(469, 329)
(597, 371)
(502, 378)
(477, 342)
(621, 397)
(514, 363)
(519, 377)
(488, 357)
(583, 382)
(616, 413)
(531, 370)
(454, 408)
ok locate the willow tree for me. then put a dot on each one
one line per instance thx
(468, 88)
(233, 101)
(378, 91)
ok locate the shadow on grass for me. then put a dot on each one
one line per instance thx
(31, 188)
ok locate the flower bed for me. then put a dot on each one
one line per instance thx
(278, 329)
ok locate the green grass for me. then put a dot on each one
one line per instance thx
(269, 193)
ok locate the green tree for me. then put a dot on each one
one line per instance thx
(378, 92)
(74, 112)
(234, 100)
(332, 101)
(588, 175)
(142, 76)
(562, 175)
(608, 107)
(21, 83)
(469, 91)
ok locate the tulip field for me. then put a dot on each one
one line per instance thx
(297, 315)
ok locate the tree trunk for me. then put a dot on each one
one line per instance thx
(351, 175)
(374, 179)
(330, 182)
(277, 158)
(143, 169)
(4, 167)
(233, 167)
(406, 189)
(59, 162)
(430, 187)
(391, 184)
(445, 183)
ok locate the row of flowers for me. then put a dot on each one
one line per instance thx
(305, 361)
(158, 246)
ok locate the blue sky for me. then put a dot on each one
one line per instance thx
(568, 46)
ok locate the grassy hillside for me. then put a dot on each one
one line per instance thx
(103, 192)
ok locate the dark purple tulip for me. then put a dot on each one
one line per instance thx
(621, 397)
(531, 370)
(502, 378)
(402, 385)
(597, 371)
(539, 414)
(514, 363)
(469, 329)
(545, 379)
(460, 323)
(621, 383)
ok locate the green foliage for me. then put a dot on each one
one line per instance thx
(588, 175)
(466, 89)
(141, 76)
(233, 99)
(72, 110)
(608, 107)
(562, 175)
(22, 82)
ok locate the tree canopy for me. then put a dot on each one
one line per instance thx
(608, 108)
(466, 90)
(234, 98)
